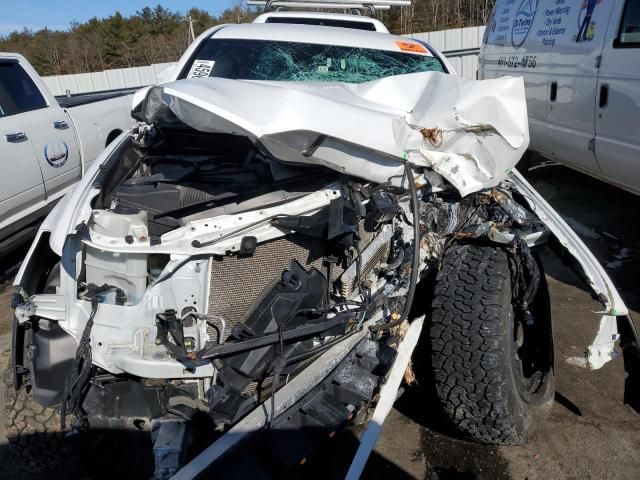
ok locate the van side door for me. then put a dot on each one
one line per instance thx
(21, 184)
(618, 101)
(575, 58)
(511, 49)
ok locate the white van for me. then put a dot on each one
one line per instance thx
(580, 60)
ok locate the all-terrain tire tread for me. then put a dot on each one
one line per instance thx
(467, 341)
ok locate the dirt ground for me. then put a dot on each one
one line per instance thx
(590, 433)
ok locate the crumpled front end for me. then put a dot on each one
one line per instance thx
(233, 247)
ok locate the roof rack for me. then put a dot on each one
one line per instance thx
(369, 6)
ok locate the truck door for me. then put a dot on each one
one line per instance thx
(580, 27)
(618, 101)
(21, 185)
(55, 143)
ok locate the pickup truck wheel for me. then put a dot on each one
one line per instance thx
(493, 376)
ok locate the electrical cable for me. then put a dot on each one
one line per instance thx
(415, 264)
(78, 379)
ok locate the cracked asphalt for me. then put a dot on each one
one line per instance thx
(590, 434)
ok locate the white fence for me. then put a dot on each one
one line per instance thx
(113, 79)
(460, 45)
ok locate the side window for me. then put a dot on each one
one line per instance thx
(629, 35)
(18, 93)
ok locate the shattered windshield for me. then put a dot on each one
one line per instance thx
(293, 61)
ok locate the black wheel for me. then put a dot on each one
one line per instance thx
(493, 370)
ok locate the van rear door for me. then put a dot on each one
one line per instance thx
(579, 28)
(618, 101)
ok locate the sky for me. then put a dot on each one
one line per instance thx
(57, 14)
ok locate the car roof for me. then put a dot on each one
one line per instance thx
(378, 26)
(318, 34)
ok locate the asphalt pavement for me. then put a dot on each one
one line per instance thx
(590, 434)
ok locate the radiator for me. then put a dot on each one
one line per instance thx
(237, 282)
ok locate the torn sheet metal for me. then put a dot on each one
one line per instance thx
(470, 132)
(602, 349)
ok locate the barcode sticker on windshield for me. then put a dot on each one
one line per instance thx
(201, 69)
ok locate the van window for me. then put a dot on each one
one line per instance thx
(18, 93)
(630, 27)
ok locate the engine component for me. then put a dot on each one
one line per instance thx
(237, 281)
(170, 325)
(169, 436)
(126, 271)
(291, 302)
(376, 252)
(381, 208)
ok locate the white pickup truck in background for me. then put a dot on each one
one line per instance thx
(46, 144)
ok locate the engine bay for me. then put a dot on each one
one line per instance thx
(185, 175)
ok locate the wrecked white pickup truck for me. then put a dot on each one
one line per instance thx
(246, 261)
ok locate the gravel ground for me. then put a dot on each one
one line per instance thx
(590, 434)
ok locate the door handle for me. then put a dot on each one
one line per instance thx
(60, 124)
(553, 92)
(15, 137)
(603, 101)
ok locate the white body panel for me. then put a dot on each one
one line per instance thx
(616, 121)
(59, 144)
(24, 191)
(566, 51)
(390, 114)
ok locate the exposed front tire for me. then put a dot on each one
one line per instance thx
(493, 370)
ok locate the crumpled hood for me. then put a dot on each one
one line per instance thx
(471, 132)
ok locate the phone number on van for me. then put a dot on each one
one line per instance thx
(515, 61)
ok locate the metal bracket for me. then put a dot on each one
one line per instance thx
(49, 306)
(25, 311)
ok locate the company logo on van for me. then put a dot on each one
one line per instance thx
(56, 153)
(523, 22)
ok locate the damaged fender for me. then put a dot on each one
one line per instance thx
(615, 311)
